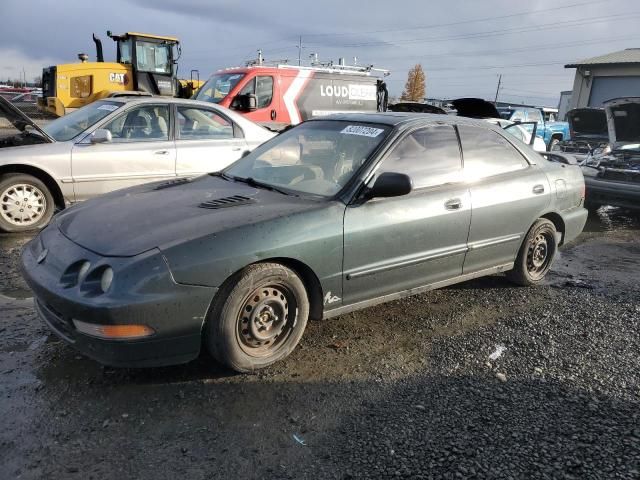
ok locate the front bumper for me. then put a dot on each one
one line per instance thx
(608, 192)
(143, 292)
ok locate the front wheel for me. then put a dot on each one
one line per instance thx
(25, 203)
(258, 317)
(553, 143)
(536, 254)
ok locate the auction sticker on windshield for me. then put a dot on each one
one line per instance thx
(362, 131)
(108, 107)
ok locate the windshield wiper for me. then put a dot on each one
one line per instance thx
(258, 184)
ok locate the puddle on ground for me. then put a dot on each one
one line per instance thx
(609, 219)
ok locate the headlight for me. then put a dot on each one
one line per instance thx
(97, 281)
(106, 279)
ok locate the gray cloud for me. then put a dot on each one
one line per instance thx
(460, 56)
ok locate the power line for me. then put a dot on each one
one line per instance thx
(549, 46)
(490, 33)
(462, 22)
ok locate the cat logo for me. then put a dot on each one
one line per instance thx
(120, 78)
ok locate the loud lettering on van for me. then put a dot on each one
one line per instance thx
(334, 91)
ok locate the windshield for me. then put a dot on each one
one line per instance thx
(317, 157)
(71, 125)
(218, 87)
(153, 57)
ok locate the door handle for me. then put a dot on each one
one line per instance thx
(538, 189)
(162, 152)
(453, 204)
(274, 114)
(236, 149)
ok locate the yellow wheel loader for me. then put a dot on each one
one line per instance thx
(145, 65)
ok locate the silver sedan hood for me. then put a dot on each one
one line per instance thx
(19, 120)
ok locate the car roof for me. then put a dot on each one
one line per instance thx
(406, 119)
(141, 99)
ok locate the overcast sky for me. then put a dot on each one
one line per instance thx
(462, 44)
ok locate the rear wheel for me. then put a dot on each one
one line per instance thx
(25, 203)
(258, 317)
(536, 254)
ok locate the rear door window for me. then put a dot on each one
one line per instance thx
(487, 153)
(430, 156)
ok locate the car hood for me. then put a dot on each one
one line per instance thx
(588, 124)
(163, 214)
(19, 120)
(623, 120)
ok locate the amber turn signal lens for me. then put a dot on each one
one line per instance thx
(114, 332)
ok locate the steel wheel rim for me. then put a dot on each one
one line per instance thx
(266, 319)
(22, 204)
(539, 255)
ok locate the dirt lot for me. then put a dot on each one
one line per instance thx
(406, 389)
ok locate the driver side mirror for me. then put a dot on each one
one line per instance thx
(101, 135)
(246, 103)
(390, 184)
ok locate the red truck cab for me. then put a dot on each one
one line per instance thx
(282, 95)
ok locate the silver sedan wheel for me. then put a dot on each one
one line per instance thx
(22, 204)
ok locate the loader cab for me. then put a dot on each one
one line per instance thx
(152, 59)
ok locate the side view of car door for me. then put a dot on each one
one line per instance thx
(393, 244)
(141, 149)
(206, 141)
(507, 194)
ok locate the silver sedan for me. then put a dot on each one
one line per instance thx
(111, 144)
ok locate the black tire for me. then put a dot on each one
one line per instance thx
(552, 143)
(536, 254)
(250, 325)
(37, 204)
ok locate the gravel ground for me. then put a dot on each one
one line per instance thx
(406, 389)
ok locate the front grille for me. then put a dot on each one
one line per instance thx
(56, 320)
(620, 175)
(580, 147)
(234, 201)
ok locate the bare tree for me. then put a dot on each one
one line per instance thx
(414, 89)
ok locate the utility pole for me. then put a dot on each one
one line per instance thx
(495, 101)
(300, 50)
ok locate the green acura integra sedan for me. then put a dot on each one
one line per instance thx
(334, 215)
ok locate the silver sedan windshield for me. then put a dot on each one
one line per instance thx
(317, 157)
(71, 125)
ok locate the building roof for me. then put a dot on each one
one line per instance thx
(629, 55)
